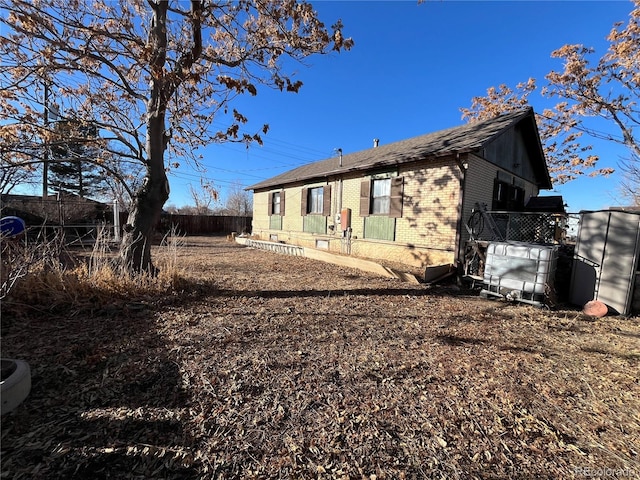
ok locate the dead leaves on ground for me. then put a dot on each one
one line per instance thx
(296, 369)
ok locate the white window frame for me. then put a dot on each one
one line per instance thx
(380, 196)
(316, 200)
(275, 207)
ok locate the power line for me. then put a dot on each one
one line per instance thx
(279, 153)
(269, 139)
(188, 176)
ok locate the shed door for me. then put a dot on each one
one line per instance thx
(606, 259)
(619, 263)
(588, 257)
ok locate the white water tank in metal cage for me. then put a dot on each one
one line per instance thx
(520, 271)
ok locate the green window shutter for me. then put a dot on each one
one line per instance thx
(326, 200)
(270, 204)
(397, 189)
(365, 198)
(303, 203)
(282, 203)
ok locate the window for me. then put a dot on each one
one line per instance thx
(500, 195)
(382, 196)
(276, 203)
(517, 198)
(507, 196)
(316, 200)
(322, 244)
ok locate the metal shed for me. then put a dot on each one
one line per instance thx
(606, 259)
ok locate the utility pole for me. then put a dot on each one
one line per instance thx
(45, 168)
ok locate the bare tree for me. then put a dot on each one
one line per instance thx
(566, 157)
(152, 75)
(203, 197)
(16, 165)
(171, 209)
(11, 176)
(609, 88)
(630, 184)
(239, 201)
(605, 87)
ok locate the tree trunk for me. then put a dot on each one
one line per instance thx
(143, 217)
(148, 202)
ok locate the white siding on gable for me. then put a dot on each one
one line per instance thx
(479, 180)
(479, 183)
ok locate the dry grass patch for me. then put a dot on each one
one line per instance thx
(290, 368)
(52, 276)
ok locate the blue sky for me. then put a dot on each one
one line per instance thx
(412, 68)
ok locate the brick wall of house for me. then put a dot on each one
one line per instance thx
(292, 220)
(260, 211)
(351, 199)
(430, 206)
(425, 234)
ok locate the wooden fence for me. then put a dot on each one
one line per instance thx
(82, 217)
(85, 233)
(200, 224)
(204, 224)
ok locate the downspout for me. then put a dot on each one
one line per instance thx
(338, 185)
(339, 200)
(460, 223)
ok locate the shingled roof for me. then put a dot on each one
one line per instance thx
(468, 138)
(549, 203)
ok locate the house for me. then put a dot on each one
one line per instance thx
(407, 201)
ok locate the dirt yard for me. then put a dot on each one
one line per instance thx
(270, 366)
